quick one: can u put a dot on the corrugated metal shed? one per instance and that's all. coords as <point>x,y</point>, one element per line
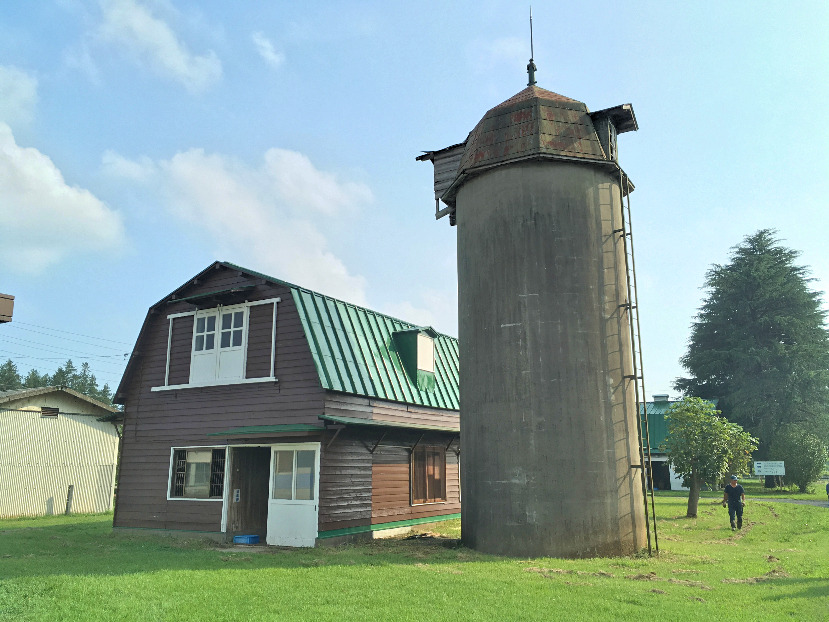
<point>41,455</point>
<point>354,351</point>
<point>657,424</point>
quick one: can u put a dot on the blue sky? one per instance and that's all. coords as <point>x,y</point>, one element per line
<point>140,140</point>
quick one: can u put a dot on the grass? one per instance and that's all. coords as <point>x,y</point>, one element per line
<point>76,568</point>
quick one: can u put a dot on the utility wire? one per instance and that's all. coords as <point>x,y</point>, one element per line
<point>35,345</point>
<point>58,330</point>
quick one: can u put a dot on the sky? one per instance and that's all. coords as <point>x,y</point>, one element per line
<point>141,140</point>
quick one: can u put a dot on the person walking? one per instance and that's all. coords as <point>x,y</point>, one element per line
<point>735,499</point>
<point>827,490</point>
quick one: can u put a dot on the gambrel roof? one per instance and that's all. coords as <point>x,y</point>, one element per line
<point>354,350</point>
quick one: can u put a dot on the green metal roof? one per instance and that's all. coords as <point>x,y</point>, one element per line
<point>388,424</point>
<point>354,352</point>
<point>657,423</point>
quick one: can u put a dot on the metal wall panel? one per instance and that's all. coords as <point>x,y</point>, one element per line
<point>41,456</point>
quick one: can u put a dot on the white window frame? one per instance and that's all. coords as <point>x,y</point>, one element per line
<point>170,473</point>
<point>217,350</point>
<point>217,382</point>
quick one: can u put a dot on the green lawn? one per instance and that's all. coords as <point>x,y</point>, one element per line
<point>77,568</point>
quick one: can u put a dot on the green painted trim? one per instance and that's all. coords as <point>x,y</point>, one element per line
<point>265,429</point>
<point>387,424</point>
<point>333,533</point>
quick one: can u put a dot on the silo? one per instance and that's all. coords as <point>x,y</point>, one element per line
<point>550,458</point>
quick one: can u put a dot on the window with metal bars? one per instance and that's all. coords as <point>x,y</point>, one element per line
<point>198,473</point>
<point>428,474</point>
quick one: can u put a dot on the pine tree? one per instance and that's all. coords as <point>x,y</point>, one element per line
<point>81,380</point>
<point>35,380</point>
<point>759,344</point>
<point>10,377</point>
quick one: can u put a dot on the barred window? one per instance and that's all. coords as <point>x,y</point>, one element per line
<point>198,473</point>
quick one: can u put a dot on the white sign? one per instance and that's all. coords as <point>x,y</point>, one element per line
<point>769,467</point>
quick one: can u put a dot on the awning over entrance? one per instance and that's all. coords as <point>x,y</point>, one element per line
<point>388,424</point>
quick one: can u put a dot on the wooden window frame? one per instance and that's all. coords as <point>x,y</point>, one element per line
<point>427,475</point>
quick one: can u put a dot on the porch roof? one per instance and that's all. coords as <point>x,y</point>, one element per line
<point>268,429</point>
<point>388,424</point>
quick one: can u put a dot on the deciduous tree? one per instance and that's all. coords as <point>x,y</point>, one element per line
<point>701,446</point>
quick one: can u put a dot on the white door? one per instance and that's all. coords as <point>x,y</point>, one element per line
<point>294,494</point>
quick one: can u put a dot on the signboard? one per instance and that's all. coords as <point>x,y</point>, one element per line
<point>769,467</point>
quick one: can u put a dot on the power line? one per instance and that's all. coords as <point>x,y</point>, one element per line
<point>36,345</point>
<point>58,330</point>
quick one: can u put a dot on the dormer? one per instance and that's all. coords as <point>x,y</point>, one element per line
<point>416,348</point>
<point>610,122</point>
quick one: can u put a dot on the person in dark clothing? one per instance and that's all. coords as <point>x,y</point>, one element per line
<point>735,498</point>
<point>827,490</point>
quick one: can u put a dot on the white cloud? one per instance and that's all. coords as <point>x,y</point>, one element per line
<point>42,219</point>
<point>152,40</point>
<point>264,218</point>
<point>301,185</point>
<point>18,95</point>
<point>438,309</point>
<point>116,165</point>
<point>266,50</point>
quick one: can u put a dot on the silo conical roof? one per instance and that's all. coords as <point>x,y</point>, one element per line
<point>532,122</point>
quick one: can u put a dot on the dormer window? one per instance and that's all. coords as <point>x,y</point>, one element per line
<point>416,348</point>
<point>425,353</point>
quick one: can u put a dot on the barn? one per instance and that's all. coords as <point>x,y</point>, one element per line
<point>254,407</point>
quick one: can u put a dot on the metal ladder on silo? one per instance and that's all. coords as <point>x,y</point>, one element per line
<point>637,376</point>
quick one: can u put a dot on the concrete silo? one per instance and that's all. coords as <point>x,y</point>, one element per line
<point>551,457</point>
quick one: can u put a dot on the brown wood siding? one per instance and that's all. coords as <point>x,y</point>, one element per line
<point>390,485</point>
<point>259,341</point>
<point>345,481</point>
<point>155,421</point>
<point>181,343</point>
<point>345,405</point>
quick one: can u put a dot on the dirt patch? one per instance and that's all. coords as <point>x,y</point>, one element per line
<point>686,583</point>
<point>548,572</point>
<point>650,576</point>
<point>777,573</point>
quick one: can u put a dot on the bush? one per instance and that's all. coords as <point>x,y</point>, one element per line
<point>803,454</point>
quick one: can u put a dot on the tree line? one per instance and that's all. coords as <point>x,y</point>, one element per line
<point>80,379</point>
<point>759,350</point>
